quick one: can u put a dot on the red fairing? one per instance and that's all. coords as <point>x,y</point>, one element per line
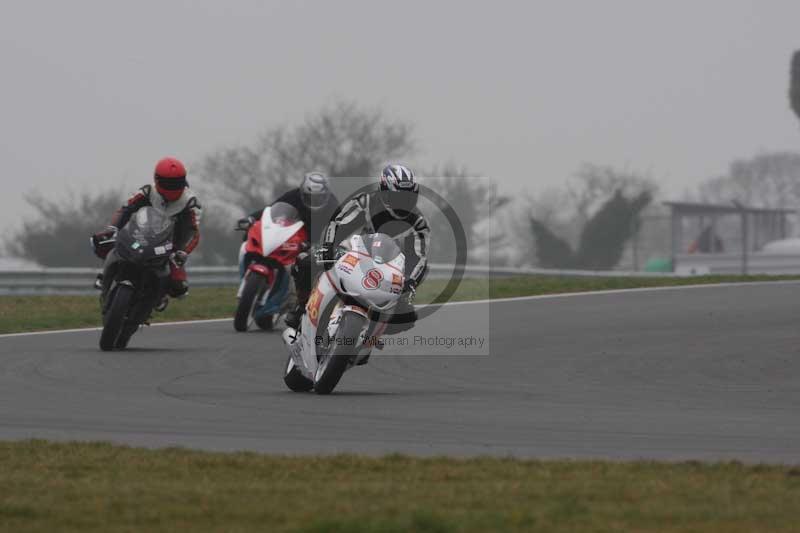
<point>286,253</point>
<point>254,245</point>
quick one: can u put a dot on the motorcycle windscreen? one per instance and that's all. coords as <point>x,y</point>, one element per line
<point>283,214</point>
<point>381,247</point>
<point>150,227</point>
<point>146,237</point>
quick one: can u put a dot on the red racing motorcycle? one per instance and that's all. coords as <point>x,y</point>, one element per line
<point>273,243</point>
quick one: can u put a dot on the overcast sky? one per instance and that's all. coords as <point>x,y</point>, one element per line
<point>93,92</point>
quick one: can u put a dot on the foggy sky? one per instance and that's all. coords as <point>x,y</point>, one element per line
<point>93,92</point>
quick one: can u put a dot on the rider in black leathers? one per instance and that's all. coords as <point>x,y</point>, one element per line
<point>316,205</point>
<point>391,210</point>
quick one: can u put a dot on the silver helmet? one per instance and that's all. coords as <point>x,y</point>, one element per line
<point>399,190</point>
<point>315,190</point>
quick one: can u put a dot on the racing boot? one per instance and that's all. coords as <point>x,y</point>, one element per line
<point>294,316</point>
<point>403,319</point>
<point>162,305</point>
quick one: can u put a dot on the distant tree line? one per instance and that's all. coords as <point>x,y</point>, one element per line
<point>603,204</point>
<point>58,234</point>
<point>342,140</point>
<point>584,224</point>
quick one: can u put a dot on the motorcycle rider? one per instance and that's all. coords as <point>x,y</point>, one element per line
<point>171,195</point>
<point>316,205</point>
<point>391,210</point>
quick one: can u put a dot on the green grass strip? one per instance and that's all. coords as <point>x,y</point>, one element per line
<point>101,487</point>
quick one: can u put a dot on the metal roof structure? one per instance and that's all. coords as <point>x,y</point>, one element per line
<point>757,225</point>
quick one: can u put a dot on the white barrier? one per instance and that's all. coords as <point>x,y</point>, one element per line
<point>80,280</point>
<point>734,263</point>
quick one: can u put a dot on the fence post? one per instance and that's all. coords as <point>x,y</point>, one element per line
<point>745,241</point>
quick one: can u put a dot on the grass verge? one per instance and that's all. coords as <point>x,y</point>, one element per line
<point>101,487</point>
<point>38,313</point>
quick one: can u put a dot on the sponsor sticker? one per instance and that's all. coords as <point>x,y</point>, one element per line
<point>350,259</point>
<point>397,283</point>
<point>312,308</point>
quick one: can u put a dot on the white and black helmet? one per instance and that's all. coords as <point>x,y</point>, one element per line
<point>399,190</point>
<point>315,190</point>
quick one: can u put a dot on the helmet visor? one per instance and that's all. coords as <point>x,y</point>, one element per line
<point>171,184</point>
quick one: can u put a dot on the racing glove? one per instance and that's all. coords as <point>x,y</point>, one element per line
<point>245,223</point>
<point>325,252</point>
<point>410,290</point>
<point>179,258</point>
<point>103,241</point>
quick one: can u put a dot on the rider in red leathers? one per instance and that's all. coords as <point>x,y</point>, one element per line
<point>171,195</point>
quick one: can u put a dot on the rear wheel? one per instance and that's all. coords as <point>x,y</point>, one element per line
<point>254,286</point>
<point>294,379</point>
<point>341,350</point>
<point>114,319</point>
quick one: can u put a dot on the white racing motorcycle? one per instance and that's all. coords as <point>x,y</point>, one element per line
<point>344,315</point>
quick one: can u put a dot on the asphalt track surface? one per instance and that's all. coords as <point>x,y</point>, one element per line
<point>696,373</point>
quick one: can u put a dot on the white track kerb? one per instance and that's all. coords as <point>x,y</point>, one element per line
<point>466,302</point>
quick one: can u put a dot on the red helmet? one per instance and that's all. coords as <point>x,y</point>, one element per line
<point>170,177</point>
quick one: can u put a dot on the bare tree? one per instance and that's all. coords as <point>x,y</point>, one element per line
<point>473,199</point>
<point>342,139</point>
<point>234,176</point>
<point>766,180</point>
<point>594,184</point>
<point>58,234</point>
<point>603,236</point>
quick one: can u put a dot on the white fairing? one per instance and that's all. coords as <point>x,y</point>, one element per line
<point>273,235</point>
<point>354,279</point>
<point>376,286</point>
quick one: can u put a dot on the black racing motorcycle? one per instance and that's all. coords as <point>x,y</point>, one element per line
<point>136,275</point>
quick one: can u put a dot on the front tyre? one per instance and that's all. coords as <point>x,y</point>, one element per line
<point>296,381</point>
<point>125,336</point>
<point>341,350</point>
<point>114,319</point>
<point>254,286</point>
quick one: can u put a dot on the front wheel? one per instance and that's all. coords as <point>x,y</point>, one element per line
<point>114,319</point>
<point>125,336</point>
<point>254,286</point>
<point>341,350</point>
